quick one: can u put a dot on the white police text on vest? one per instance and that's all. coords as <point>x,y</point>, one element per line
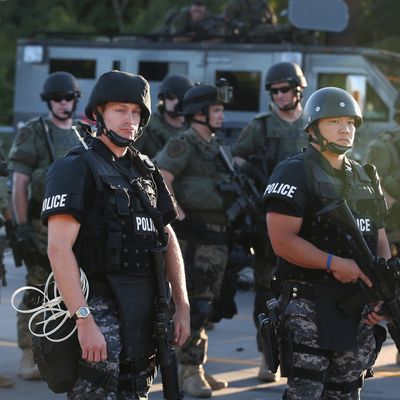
<point>281,188</point>
<point>56,201</point>
<point>364,224</point>
<point>144,225</point>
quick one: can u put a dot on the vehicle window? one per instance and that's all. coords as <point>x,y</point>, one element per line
<point>374,108</point>
<point>158,70</point>
<point>81,69</point>
<point>388,67</point>
<point>246,89</point>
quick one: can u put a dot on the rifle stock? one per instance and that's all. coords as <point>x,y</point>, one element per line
<point>384,275</point>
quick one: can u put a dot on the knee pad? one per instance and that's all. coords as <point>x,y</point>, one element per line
<point>200,310</point>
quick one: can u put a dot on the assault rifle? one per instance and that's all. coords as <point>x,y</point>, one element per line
<point>384,275</point>
<point>247,199</point>
<point>163,331</point>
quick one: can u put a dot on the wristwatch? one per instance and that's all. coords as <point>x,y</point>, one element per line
<point>82,312</point>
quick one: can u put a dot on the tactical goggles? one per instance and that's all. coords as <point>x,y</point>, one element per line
<point>284,89</point>
<point>59,97</point>
<point>224,91</point>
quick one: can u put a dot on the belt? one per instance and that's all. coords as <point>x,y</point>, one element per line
<point>297,290</point>
<point>216,227</point>
<point>102,289</point>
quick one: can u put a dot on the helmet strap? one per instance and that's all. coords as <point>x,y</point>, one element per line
<point>207,121</point>
<point>324,144</point>
<point>68,114</point>
<point>115,139</point>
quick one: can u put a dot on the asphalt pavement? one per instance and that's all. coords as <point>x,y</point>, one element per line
<point>232,356</point>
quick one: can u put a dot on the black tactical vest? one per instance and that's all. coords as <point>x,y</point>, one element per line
<point>363,199</point>
<point>117,234</point>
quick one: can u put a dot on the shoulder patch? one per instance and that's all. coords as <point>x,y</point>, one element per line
<point>22,135</point>
<point>176,147</point>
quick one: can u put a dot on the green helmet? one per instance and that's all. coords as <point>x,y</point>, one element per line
<point>285,72</point>
<point>331,102</point>
<point>60,82</point>
<point>199,98</point>
<point>124,87</point>
<point>176,85</point>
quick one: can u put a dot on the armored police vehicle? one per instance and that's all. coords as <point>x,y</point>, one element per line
<point>372,76</point>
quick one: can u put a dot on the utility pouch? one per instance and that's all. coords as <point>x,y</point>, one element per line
<point>57,361</point>
<point>268,332</point>
<point>135,298</point>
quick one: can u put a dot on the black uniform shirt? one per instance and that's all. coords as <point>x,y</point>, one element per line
<point>289,190</point>
<point>71,187</point>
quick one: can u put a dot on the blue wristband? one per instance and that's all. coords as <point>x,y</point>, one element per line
<point>328,263</point>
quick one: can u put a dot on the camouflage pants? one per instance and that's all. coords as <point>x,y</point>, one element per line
<point>205,267</point>
<point>340,367</point>
<point>36,274</point>
<point>106,318</point>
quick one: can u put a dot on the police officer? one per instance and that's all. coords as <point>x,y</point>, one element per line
<point>268,139</point>
<point>325,350</point>
<point>189,163</point>
<point>168,119</point>
<point>190,23</point>
<point>250,17</point>
<point>384,153</point>
<point>37,145</point>
<point>5,381</point>
<point>107,208</point>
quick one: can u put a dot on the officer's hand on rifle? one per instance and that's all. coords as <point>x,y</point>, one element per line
<point>374,316</point>
<point>346,271</point>
<point>25,236</point>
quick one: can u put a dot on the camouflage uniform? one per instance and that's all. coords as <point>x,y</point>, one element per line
<point>202,234</point>
<point>4,206</point>
<point>155,135</point>
<point>182,24</point>
<point>29,155</point>
<point>272,139</point>
<point>107,319</point>
<point>384,153</point>
<point>339,367</point>
<point>252,17</point>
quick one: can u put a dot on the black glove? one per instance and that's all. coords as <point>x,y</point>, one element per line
<point>25,237</point>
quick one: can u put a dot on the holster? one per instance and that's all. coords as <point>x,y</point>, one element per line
<point>270,342</point>
<point>135,299</point>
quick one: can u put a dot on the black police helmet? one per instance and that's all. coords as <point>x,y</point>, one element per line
<point>285,72</point>
<point>199,98</point>
<point>60,82</point>
<point>176,85</point>
<point>123,87</point>
<point>331,102</point>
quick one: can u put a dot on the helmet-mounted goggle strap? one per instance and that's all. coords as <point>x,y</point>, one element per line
<point>224,91</point>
